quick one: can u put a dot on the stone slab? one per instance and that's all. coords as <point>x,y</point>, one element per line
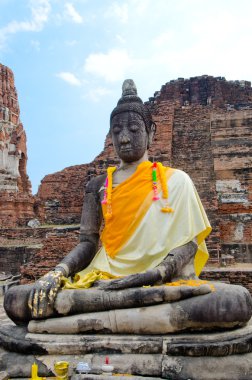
<point>234,367</point>
<point>193,356</point>
<point>4,375</point>
<point>222,343</point>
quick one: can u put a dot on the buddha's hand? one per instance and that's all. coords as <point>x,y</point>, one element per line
<point>130,281</point>
<point>43,294</point>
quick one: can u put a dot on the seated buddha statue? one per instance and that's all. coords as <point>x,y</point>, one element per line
<point>153,237</point>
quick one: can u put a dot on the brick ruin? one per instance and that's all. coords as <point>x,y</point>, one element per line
<point>16,201</point>
<point>203,127</point>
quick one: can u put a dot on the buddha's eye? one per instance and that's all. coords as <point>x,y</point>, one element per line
<point>134,128</point>
<point>116,129</point>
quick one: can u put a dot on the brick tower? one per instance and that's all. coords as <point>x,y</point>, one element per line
<point>16,200</point>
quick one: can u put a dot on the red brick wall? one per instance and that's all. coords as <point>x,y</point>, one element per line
<point>16,201</point>
<point>206,90</point>
<point>192,152</point>
<point>230,276</point>
<point>61,195</point>
<point>231,141</point>
<point>161,148</point>
<point>56,245</point>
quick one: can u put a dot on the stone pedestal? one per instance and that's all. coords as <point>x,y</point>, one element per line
<point>223,355</point>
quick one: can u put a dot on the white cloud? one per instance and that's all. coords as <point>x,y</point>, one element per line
<point>97,93</point>
<point>163,39</point>
<point>72,13</point>
<point>111,66</point>
<point>120,12</point>
<point>141,6</point>
<point>120,39</point>
<point>40,10</point>
<point>70,78</point>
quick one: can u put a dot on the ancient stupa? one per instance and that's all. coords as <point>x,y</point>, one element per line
<point>16,201</point>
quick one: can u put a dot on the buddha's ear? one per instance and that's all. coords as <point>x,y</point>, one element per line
<point>151,134</point>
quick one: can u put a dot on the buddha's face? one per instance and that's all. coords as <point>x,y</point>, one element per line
<point>129,135</point>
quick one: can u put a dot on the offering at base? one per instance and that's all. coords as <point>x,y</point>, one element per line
<point>107,368</point>
<point>154,235</point>
<point>83,367</point>
<point>61,370</point>
<point>34,373</point>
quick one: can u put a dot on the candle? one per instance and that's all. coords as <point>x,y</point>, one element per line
<point>34,371</point>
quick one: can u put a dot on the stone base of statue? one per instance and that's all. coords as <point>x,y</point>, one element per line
<point>223,355</point>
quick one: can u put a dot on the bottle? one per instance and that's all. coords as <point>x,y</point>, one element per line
<point>83,367</point>
<point>107,368</point>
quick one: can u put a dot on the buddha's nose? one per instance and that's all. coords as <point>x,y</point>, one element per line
<point>124,138</point>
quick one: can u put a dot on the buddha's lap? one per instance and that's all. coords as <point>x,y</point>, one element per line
<point>227,303</point>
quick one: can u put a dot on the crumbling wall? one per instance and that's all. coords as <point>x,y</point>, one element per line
<point>236,276</point>
<point>192,152</point>
<point>57,243</point>
<point>231,141</point>
<point>206,90</point>
<point>16,201</point>
<point>61,195</point>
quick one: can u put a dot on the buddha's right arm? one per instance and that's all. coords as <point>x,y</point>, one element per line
<point>81,256</point>
<point>45,289</point>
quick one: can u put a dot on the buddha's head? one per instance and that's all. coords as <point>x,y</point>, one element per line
<point>131,125</point>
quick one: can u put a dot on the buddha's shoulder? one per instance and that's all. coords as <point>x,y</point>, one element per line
<point>181,177</point>
<point>95,184</point>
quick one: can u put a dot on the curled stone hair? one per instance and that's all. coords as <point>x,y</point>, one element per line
<point>132,103</point>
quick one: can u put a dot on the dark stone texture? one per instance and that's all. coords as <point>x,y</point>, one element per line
<point>139,356</point>
<point>13,339</point>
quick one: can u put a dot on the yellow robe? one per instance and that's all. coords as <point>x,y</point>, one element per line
<point>144,239</point>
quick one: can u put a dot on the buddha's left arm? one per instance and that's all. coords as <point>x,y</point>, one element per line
<point>171,267</point>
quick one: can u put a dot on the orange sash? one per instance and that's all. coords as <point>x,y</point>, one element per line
<point>130,201</point>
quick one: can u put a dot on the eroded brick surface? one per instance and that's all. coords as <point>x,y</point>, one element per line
<point>57,243</point>
<point>16,201</point>
<point>236,276</point>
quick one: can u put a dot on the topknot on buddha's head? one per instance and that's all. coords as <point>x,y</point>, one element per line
<point>130,102</point>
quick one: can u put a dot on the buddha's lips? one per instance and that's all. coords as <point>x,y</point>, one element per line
<point>124,149</point>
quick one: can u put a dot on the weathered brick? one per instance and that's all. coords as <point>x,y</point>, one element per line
<point>16,201</point>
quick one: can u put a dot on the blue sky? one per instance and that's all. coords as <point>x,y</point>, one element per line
<point>69,59</point>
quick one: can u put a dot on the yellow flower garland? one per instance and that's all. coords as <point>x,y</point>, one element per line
<point>110,172</point>
<point>164,187</point>
<point>190,282</point>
